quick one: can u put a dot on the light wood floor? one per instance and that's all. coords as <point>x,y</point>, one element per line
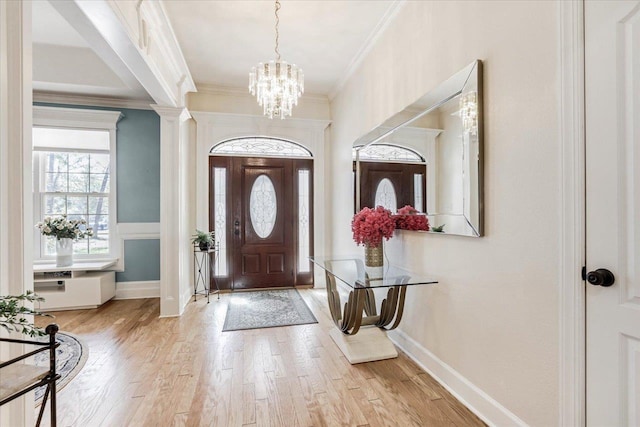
<point>143,370</point>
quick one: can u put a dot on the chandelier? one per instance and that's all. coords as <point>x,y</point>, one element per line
<point>469,113</point>
<point>276,84</point>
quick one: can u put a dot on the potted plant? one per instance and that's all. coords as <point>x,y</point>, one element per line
<point>204,239</point>
<point>66,232</point>
<point>369,226</point>
<point>13,314</point>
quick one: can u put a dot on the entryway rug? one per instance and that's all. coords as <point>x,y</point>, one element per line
<point>266,309</point>
<point>71,356</point>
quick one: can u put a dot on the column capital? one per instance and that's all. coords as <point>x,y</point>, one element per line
<point>165,112</point>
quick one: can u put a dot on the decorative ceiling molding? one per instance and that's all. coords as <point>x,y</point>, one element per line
<point>366,47</point>
<point>91,101</point>
<point>75,117</point>
<point>244,92</point>
<point>137,36</point>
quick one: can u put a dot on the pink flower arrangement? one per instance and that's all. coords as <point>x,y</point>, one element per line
<point>408,218</point>
<point>369,226</point>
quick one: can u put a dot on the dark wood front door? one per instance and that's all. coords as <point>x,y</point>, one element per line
<point>263,219</point>
<point>402,177</point>
<point>262,222</point>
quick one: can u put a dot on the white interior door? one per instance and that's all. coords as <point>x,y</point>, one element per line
<point>612,67</point>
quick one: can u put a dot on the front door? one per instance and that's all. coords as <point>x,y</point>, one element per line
<point>268,222</point>
<point>263,253</point>
<point>612,90</point>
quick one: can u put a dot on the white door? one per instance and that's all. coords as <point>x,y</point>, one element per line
<point>612,67</point>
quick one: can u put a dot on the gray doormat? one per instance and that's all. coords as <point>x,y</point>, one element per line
<point>266,309</point>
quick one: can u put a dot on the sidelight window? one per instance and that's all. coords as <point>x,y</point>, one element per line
<point>304,196</point>
<point>220,215</point>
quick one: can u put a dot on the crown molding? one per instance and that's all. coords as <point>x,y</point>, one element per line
<point>75,117</point>
<point>375,34</point>
<point>91,101</point>
<point>231,119</point>
<point>213,89</point>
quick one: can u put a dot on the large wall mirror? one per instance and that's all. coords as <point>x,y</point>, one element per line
<point>429,156</point>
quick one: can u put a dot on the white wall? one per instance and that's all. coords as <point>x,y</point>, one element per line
<point>240,101</point>
<point>493,316</point>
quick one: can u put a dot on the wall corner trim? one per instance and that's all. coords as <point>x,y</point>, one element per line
<point>572,238</point>
<point>479,402</point>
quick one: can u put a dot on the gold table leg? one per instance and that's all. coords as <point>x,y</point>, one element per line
<point>362,301</point>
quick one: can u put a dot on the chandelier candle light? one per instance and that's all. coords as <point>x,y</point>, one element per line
<point>276,84</point>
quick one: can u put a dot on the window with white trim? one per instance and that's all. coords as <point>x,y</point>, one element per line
<point>74,175</point>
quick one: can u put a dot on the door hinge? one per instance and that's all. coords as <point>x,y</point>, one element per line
<point>584,273</point>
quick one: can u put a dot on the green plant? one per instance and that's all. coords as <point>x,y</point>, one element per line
<point>439,229</point>
<point>204,237</point>
<point>62,228</point>
<point>13,312</point>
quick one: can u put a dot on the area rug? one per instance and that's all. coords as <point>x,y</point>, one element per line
<point>71,356</point>
<point>266,309</point>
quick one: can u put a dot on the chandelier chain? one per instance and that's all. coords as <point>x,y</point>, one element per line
<point>277,25</point>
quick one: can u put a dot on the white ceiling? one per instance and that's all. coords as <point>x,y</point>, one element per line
<point>222,40</point>
<point>49,27</point>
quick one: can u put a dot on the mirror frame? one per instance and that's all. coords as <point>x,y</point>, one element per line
<point>446,91</point>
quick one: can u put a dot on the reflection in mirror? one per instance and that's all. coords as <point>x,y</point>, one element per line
<point>429,156</point>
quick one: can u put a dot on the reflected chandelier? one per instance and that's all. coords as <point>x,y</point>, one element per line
<point>276,84</point>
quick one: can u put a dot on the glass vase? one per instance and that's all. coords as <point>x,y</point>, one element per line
<point>373,255</point>
<point>64,252</point>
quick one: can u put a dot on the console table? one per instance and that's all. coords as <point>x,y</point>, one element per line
<point>360,331</point>
<point>80,285</point>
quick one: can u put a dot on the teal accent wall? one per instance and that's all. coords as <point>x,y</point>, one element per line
<point>138,186</point>
<point>141,260</point>
<point>138,161</point>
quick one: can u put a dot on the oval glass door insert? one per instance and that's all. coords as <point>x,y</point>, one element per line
<point>386,195</point>
<point>263,206</point>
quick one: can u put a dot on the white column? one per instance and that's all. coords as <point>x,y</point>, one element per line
<point>175,283</point>
<point>16,226</point>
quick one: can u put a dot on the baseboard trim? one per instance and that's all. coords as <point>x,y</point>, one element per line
<point>138,290</point>
<point>478,402</point>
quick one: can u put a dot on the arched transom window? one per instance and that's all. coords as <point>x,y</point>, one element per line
<point>259,146</point>
<point>390,153</point>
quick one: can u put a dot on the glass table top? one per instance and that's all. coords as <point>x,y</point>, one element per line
<point>352,271</point>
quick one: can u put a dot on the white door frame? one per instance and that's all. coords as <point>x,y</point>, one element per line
<point>16,217</point>
<point>212,128</point>
<point>572,240</point>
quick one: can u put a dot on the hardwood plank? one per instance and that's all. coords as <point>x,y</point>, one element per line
<point>143,370</point>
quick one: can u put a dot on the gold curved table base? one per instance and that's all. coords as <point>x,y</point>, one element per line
<point>362,301</point>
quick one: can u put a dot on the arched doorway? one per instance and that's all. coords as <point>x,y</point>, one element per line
<point>261,208</point>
